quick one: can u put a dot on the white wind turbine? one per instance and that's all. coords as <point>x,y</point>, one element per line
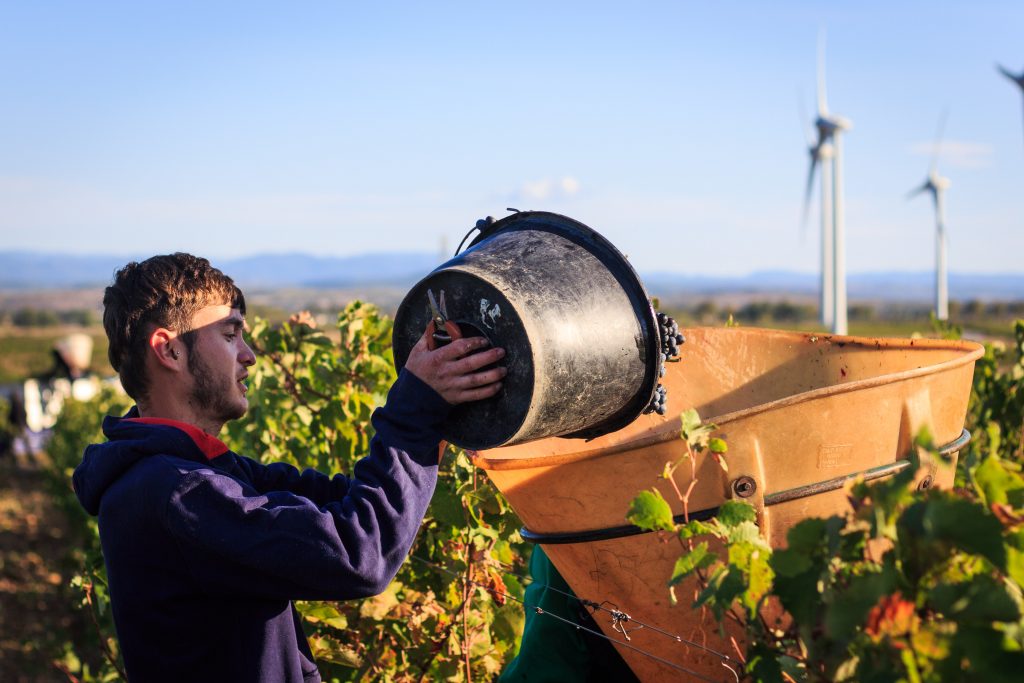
<point>827,151</point>
<point>937,186</point>
<point>1016,78</point>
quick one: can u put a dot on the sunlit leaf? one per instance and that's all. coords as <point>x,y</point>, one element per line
<point>734,512</point>
<point>689,562</point>
<point>650,511</point>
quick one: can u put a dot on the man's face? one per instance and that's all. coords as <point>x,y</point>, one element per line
<point>219,362</point>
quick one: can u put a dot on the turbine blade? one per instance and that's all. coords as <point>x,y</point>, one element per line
<point>807,194</point>
<point>938,140</point>
<point>917,190</point>
<point>822,97</point>
<point>1006,72</point>
<point>808,130</point>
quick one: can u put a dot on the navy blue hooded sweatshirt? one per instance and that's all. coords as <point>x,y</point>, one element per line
<point>206,549</point>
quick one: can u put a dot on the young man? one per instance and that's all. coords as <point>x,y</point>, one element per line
<point>205,549</point>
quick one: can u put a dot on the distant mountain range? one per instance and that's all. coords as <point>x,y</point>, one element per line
<point>35,270</point>
<point>22,270</point>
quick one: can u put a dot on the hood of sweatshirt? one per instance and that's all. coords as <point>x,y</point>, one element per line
<point>132,438</point>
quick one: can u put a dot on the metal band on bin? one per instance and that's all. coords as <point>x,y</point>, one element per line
<point>608,533</point>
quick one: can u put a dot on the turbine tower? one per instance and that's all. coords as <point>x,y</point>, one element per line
<point>1016,78</point>
<point>937,186</point>
<point>821,153</point>
<point>828,152</point>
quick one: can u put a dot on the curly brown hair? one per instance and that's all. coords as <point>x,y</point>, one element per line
<point>162,291</point>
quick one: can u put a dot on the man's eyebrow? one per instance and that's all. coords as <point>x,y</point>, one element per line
<point>236,323</point>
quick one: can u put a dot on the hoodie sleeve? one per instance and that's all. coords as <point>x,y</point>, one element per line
<point>412,418</point>
<point>316,537</point>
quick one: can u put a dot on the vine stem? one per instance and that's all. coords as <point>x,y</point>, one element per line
<point>425,667</point>
<point>292,382</point>
<point>466,583</point>
<point>99,632</point>
<point>60,666</point>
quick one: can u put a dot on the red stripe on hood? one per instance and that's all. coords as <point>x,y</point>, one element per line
<point>211,446</point>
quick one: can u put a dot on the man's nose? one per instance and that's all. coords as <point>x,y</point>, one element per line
<point>247,356</point>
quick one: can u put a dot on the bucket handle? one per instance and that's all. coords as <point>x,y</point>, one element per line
<point>485,226</point>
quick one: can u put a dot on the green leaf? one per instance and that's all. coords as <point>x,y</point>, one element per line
<point>690,420</point>
<point>763,664</point>
<point>698,558</point>
<point>994,482</point>
<point>650,511</point>
<point>379,606</point>
<point>692,431</point>
<point>807,536</point>
<point>447,510</point>
<point>981,600</point>
<point>968,525</point>
<point>986,657</point>
<point>790,562</point>
<point>717,445</point>
<point>1015,556</point>
<point>323,613</point>
<point>734,512</point>
<point>760,579</point>
<point>693,528</point>
<point>849,610</point>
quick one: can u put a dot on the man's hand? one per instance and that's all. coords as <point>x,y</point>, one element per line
<point>453,370</point>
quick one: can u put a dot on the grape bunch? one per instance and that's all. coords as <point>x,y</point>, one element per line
<point>669,338</point>
<point>657,404</point>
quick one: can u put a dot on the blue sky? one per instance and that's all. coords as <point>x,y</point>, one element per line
<point>673,128</point>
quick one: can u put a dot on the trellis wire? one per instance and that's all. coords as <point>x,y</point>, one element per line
<point>617,617</point>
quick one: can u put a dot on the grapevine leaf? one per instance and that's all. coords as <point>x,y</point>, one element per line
<point>807,536</point>
<point>378,607</point>
<point>789,562</point>
<point>850,608</point>
<point>694,527</point>
<point>698,558</point>
<point>690,420</point>
<point>720,459</point>
<point>717,445</point>
<point>980,600</point>
<point>693,432</point>
<point>967,525</point>
<point>984,658</point>
<point>733,512</point>
<point>763,664</point>
<point>1015,556</point>
<point>324,613</point>
<point>447,510</point>
<point>650,511</point>
<point>760,578</point>
<point>799,591</point>
<point>995,483</point>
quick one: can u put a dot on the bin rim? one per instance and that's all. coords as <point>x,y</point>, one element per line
<point>670,431</point>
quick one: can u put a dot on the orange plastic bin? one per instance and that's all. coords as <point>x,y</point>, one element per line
<point>804,415</point>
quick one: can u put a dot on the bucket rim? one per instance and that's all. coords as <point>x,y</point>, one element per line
<point>971,352</point>
<point>619,266</point>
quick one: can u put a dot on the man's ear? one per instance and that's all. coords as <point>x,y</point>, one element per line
<point>167,348</point>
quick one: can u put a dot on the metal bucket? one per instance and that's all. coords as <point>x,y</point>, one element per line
<point>580,335</point>
<point>804,416</point>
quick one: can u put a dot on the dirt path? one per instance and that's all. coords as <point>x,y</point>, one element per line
<point>37,613</point>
